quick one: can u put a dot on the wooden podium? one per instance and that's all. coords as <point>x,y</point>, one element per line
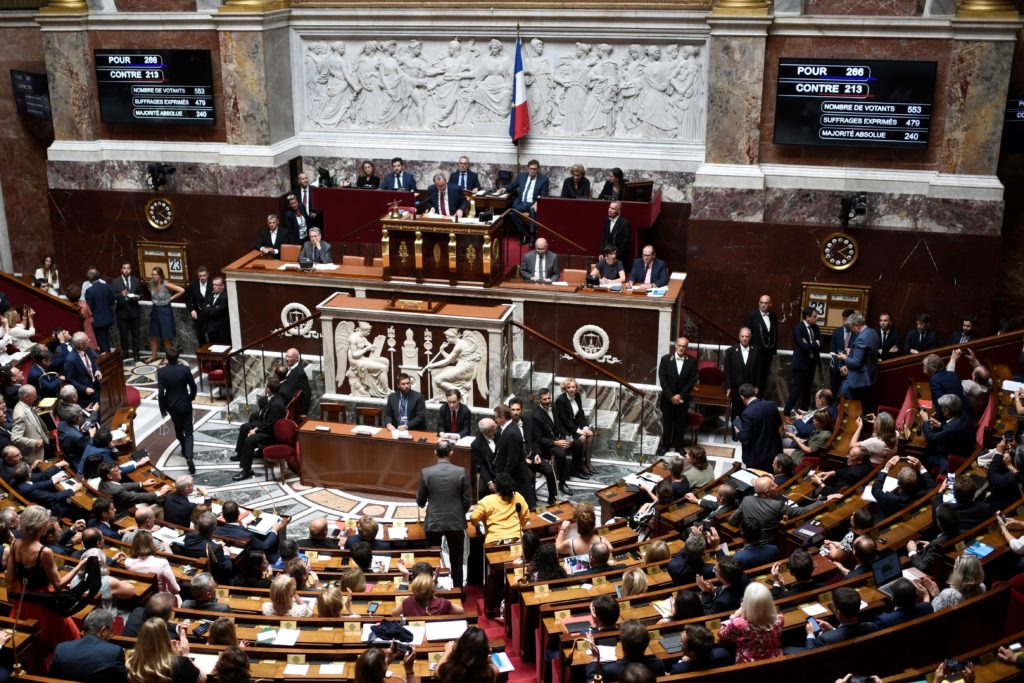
<point>437,248</point>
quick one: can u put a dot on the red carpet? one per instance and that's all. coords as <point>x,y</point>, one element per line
<point>495,631</point>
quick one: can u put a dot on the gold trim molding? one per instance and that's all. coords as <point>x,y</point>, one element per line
<point>746,8</point>
<point>987,9</point>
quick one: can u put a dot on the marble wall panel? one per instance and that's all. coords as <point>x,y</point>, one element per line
<point>909,272</point>
<point>878,8</point>
<point>178,40</point>
<point>978,78</point>
<point>734,99</point>
<point>728,204</point>
<point>828,47</point>
<point>23,143</point>
<point>72,79</point>
<point>243,67</point>
<point>280,106</point>
<point>156,5</point>
<point>189,178</point>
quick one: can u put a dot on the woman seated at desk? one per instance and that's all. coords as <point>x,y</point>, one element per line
<point>576,186</point>
<point>613,187</point>
<point>367,180</point>
<point>609,268</point>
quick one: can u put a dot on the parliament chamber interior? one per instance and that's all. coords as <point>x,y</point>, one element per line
<point>553,342</point>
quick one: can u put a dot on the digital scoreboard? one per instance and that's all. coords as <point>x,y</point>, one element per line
<point>854,103</point>
<point>31,94</point>
<point>155,86</point>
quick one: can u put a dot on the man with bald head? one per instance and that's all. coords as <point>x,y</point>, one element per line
<point>741,364</point>
<point>484,448</point>
<point>318,538</point>
<point>296,380</point>
<point>764,335</point>
<point>677,375</point>
<point>539,265</point>
<point>28,432</point>
<point>769,508</point>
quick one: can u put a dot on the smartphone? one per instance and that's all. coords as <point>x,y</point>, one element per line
<point>372,608</point>
<point>202,628</point>
<point>814,625</point>
<point>705,525</point>
<point>953,666</point>
<point>401,647</point>
<point>336,532</point>
<point>1000,515</point>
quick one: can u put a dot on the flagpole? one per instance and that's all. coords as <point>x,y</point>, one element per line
<point>516,143</point>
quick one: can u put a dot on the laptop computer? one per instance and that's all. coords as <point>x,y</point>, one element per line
<point>886,570</point>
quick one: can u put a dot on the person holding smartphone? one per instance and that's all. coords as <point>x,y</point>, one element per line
<point>1016,543</point>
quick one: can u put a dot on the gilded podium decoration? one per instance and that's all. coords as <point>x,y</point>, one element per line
<point>471,255</point>
<point>403,252</point>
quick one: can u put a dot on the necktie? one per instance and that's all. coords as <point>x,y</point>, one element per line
<point>214,302</point>
<point>540,265</point>
<point>528,191</point>
<point>884,334</point>
<point>126,284</point>
<point>316,254</point>
<point>305,198</point>
<point>398,182</point>
<point>444,203</point>
<point>87,363</point>
<point>846,339</point>
<point>963,338</point>
<point>455,429</point>
<point>462,180</point>
<point>647,276</point>
<point>402,408</point>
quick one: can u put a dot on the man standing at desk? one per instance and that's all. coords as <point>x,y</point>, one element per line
<point>303,191</point>
<point>271,238</point>
<point>463,178</point>
<point>648,271</point>
<point>444,491</point>
<point>528,186</point>
<point>539,265</point>
<point>399,179</point>
<point>677,374</point>
<point>126,305</point>
<point>405,409</point>
<point>446,200</point>
<point>316,250</point>
<point>218,324</point>
<point>617,230</point>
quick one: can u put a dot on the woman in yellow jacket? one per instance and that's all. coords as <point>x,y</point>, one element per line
<point>503,513</point>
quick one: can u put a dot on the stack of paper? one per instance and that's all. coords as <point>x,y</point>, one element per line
<point>365,430</point>
<point>264,524</point>
<point>381,563</point>
<point>445,630</point>
<point>398,533</point>
<point>204,663</point>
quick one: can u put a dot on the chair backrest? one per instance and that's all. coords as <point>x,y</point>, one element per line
<point>332,411</point>
<point>364,413</point>
<point>292,404</point>
<point>352,261</point>
<point>290,252</point>
<point>711,375</point>
<point>285,431</point>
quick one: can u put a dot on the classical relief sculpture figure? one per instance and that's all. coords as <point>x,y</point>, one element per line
<point>539,84</point>
<point>573,75</point>
<point>655,104</point>
<point>395,93</point>
<point>453,94</point>
<point>689,84</point>
<point>629,93</point>
<point>493,93</point>
<point>367,105</point>
<point>461,366</point>
<point>423,79</point>
<point>316,77</point>
<point>604,93</point>
<point>360,360</point>
<point>340,92</point>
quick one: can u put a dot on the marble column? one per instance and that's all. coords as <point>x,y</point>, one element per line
<point>729,185</point>
<point>981,57</point>
<point>72,80</point>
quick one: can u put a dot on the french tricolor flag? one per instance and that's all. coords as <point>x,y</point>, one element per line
<point>519,119</point>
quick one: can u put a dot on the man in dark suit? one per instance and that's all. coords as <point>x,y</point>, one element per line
<point>316,250</point>
<point>453,416</point>
<point>839,342</point>
<point>200,543</point>
<point>82,371</point>
<point>905,605</point>
<point>648,271</point>
<point>728,596</point>
<point>861,364</point>
<point>754,553</point>
<point>549,446</point>
<point>759,430</point>
<point>463,178</point>
<point>177,507</point>
<point>232,529</point>
<point>941,382</point>
<point>100,298</point>
<point>203,589</point>
<point>764,336</point>
<point>527,187</point>
<point>965,335</point>
<point>800,566</point>
<point>617,230</point>
<point>175,392</point>
<point>296,380</point>
<point>970,512</point>
<point>677,375</point>
<point>399,178</point>
<point>741,364</point>
<point>889,338</point>
<point>806,359</point>
<point>511,455</point>
<point>272,238</point>
<point>952,436</point>
<point>92,659</point>
<point>635,639</point>
<point>218,324</point>
<point>128,291</point>
<point>539,265</point>
<point>922,338</point>
<point>197,297</point>
<point>405,409</point>
<point>846,602</point>
<point>304,192</point>
<point>688,563</point>
<point>262,431</point>
<point>445,493</point>
<point>446,200</point>
<point>128,494</point>
<point>484,448</point>
<point>913,480</point>
<point>43,493</point>
<point>61,347</point>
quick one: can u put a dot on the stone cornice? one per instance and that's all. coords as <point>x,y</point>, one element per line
<point>941,28</point>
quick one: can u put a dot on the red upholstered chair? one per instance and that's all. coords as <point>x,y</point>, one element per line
<point>712,375</point>
<point>693,423</point>
<point>133,396</point>
<point>285,449</point>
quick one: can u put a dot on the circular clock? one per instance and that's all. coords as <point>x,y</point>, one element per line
<point>839,251</point>
<point>160,213</point>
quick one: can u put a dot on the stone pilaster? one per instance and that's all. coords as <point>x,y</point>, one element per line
<point>69,68</point>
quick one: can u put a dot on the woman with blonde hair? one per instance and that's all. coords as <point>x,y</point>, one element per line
<point>332,603</point>
<point>142,558</point>
<point>161,319</point>
<point>756,627</point>
<point>700,472</point>
<point>966,581</point>
<point>284,599</point>
<point>882,444</point>
<point>577,185</point>
<point>657,551</point>
<point>157,659</point>
<point>423,602</point>
<point>353,580</point>
<point>634,582</point>
<point>577,541</point>
<point>21,326</point>
<point>570,419</point>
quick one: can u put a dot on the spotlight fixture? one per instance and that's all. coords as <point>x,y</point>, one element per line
<point>851,206</point>
<point>156,176</point>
